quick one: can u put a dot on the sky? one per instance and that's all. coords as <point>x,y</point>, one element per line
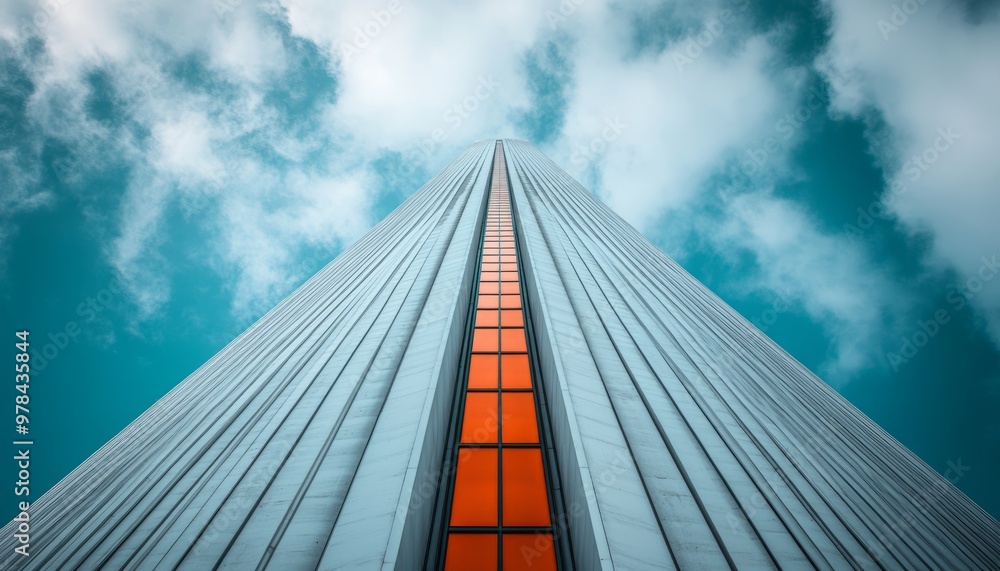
<point>171,169</point>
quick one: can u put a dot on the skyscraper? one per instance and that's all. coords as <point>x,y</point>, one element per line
<point>503,374</point>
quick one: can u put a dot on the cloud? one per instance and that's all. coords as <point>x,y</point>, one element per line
<point>437,74</point>
<point>832,280</point>
<point>195,105</point>
<point>928,72</point>
<point>22,190</point>
<point>268,128</point>
<point>646,130</point>
<point>656,124</point>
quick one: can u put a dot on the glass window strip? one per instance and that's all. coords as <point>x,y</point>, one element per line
<point>518,527</point>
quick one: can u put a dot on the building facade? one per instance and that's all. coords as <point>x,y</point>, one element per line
<point>504,374</point>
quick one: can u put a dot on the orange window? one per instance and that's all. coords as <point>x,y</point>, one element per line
<point>489,302</point>
<point>519,423</point>
<point>508,276</point>
<point>482,418</point>
<point>475,499</point>
<point>484,341</point>
<point>510,302</point>
<point>489,276</point>
<point>487,318</point>
<point>483,370</point>
<point>525,499</point>
<point>512,339</point>
<point>489,288</point>
<point>528,552</point>
<point>511,318</point>
<point>515,372</point>
<point>510,288</point>
<point>465,552</point>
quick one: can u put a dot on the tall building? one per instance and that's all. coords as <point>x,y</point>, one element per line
<point>503,374</point>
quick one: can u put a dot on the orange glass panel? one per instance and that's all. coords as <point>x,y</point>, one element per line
<point>472,552</point>
<point>479,426</point>
<point>527,552</point>
<point>510,301</point>
<point>483,371</point>
<point>489,276</point>
<point>492,259</point>
<point>487,318</point>
<point>489,288</point>
<point>508,276</point>
<point>511,318</point>
<point>519,423</point>
<point>509,259</point>
<point>515,372</point>
<point>488,302</point>
<point>525,499</point>
<point>511,267</point>
<point>484,341</point>
<point>510,288</point>
<point>475,499</point>
<point>512,339</point>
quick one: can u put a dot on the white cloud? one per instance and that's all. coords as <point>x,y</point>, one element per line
<point>686,121</point>
<point>264,187</point>
<point>402,74</point>
<point>680,126</point>
<point>183,148</point>
<point>195,131</point>
<point>318,210</point>
<point>923,72</point>
<point>832,280</point>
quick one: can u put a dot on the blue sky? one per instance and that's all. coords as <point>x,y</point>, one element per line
<point>172,169</point>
